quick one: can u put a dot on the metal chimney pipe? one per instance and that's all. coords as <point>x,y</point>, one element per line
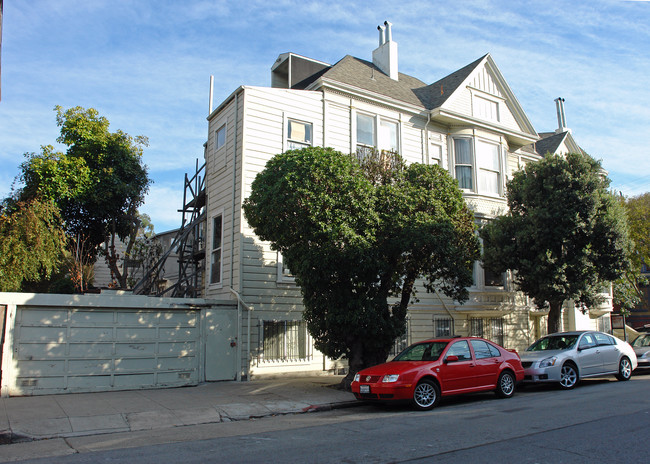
<point>381,35</point>
<point>561,121</point>
<point>389,34</point>
<point>211,90</point>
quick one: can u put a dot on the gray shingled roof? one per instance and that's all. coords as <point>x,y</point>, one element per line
<point>549,142</point>
<point>365,75</point>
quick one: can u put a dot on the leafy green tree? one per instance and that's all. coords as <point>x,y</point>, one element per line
<point>628,289</point>
<point>357,237</point>
<point>565,234</point>
<point>98,183</point>
<point>31,243</point>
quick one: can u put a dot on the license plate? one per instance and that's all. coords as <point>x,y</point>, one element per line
<point>364,388</point>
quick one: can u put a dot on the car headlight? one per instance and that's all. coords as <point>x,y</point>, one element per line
<point>645,355</point>
<point>390,378</point>
<point>356,377</point>
<point>548,362</point>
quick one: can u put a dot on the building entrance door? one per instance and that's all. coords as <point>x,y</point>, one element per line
<point>221,344</point>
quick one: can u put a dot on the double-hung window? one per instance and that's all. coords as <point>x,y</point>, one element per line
<point>365,134</point>
<point>376,133</point>
<point>477,165</point>
<point>463,162</point>
<point>216,250</point>
<point>489,167</point>
<point>388,136</point>
<point>299,134</point>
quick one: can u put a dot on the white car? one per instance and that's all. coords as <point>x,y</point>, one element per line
<point>567,357</point>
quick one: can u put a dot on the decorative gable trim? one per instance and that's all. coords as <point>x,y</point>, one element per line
<point>487,79</point>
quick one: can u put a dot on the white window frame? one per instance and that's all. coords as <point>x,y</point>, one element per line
<point>489,169</point>
<point>214,250</point>
<point>480,101</point>
<point>435,153</point>
<point>476,169</point>
<point>378,140</point>
<point>472,163</point>
<point>284,275</point>
<point>294,144</point>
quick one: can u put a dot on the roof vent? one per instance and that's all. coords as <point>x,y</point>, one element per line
<point>385,56</point>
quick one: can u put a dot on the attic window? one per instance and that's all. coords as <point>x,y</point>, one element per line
<point>486,109</point>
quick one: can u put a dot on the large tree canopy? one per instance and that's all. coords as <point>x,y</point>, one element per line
<point>357,237</point>
<point>628,289</point>
<point>565,235</point>
<point>97,184</point>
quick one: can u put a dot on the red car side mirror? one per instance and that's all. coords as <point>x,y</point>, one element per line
<point>450,359</point>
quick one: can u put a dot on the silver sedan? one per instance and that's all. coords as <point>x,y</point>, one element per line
<point>641,345</point>
<point>567,357</point>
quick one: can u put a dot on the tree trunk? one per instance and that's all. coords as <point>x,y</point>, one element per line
<point>554,314</point>
<point>359,359</point>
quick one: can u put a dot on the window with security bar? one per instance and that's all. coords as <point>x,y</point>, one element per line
<point>488,328</point>
<point>443,327</point>
<point>284,341</point>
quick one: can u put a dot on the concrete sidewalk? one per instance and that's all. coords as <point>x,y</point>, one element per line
<point>78,414</point>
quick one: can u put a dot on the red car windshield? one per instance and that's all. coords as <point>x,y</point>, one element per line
<point>428,351</point>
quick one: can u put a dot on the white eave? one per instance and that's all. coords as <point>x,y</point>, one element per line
<point>451,118</point>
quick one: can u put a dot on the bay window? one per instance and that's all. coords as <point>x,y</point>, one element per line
<point>463,163</point>
<point>487,159</point>
<point>478,165</point>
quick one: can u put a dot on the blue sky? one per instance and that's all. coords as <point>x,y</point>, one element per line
<point>145,65</point>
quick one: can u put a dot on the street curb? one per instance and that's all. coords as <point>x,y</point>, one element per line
<point>331,406</point>
<point>8,437</point>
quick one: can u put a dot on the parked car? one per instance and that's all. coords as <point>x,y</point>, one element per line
<point>427,370</point>
<point>567,357</point>
<point>641,346</point>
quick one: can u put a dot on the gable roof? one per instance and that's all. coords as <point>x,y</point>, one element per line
<point>354,75</point>
<point>436,94</point>
<point>550,142</point>
<point>366,76</point>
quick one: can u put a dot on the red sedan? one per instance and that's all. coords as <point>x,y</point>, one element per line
<point>427,370</point>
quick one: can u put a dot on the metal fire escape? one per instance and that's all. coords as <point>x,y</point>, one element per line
<point>189,244</point>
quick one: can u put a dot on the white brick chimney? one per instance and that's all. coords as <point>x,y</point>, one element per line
<point>385,56</point>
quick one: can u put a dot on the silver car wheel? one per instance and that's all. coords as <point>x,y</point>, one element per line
<point>568,376</point>
<point>425,395</point>
<point>506,385</point>
<point>624,369</point>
